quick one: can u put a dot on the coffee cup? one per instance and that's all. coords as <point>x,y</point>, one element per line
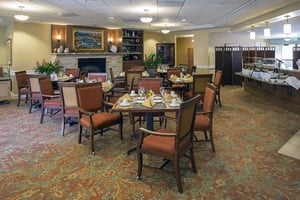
<point>132,92</point>
<point>125,101</point>
<point>174,102</point>
<point>172,93</point>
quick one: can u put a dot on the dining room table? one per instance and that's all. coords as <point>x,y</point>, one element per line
<point>155,103</point>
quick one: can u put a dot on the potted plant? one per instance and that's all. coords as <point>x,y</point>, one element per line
<point>152,61</point>
<point>47,67</point>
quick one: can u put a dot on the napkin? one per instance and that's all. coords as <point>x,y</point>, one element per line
<point>148,103</point>
<point>126,96</point>
<point>168,97</point>
<point>173,77</point>
<point>145,73</point>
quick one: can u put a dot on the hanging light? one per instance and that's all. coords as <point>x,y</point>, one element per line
<point>146,18</point>
<point>21,17</point>
<point>287,28</point>
<point>267,30</point>
<point>165,30</point>
<point>252,33</point>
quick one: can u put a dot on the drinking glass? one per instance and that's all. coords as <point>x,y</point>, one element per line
<point>141,91</point>
<point>162,91</point>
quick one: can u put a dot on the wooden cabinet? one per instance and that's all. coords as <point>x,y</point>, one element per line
<point>229,60</point>
<point>132,48</point>
<point>5,84</point>
<point>167,53</point>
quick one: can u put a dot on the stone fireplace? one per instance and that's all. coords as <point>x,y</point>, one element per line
<point>106,60</point>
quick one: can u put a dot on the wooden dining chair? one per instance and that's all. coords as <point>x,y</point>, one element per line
<point>23,87</point>
<point>217,84</point>
<point>153,84</point>
<point>170,143</point>
<point>178,87</point>
<point>204,118</point>
<point>35,96</point>
<point>69,104</point>
<point>198,86</point>
<point>49,99</point>
<point>73,71</point>
<point>92,115</point>
<point>129,75</point>
<point>101,77</point>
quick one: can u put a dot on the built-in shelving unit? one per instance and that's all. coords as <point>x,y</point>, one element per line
<point>132,48</point>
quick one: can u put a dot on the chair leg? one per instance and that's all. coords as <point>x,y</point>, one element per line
<point>79,133</point>
<point>42,114</point>
<point>192,157</point>
<point>62,130</point>
<point>177,175</point>
<point>205,135</point>
<point>140,164</point>
<point>18,102</point>
<point>91,133</point>
<point>212,141</point>
<point>219,99</point>
<point>121,129</point>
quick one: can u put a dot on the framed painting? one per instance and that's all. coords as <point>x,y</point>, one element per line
<point>88,39</point>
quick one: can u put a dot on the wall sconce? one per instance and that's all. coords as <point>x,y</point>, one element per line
<point>110,40</point>
<point>287,28</point>
<point>58,38</point>
<point>252,33</point>
<point>267,30</point>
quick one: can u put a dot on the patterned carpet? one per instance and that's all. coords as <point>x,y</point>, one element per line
<point>38,163</point>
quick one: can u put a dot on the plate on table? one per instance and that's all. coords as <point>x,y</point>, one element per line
<point>174,105</point>
<point>124,104</point>
<point>157,100</point>
<point>133,95</point>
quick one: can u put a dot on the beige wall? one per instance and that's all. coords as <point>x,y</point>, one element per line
<point>182,45</point>
<point>31,43</point>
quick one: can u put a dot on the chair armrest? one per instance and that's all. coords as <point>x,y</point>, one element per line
<point>85,111</point>
<point>157,133</point>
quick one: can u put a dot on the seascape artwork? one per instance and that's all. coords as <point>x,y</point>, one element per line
<point>84,39</point>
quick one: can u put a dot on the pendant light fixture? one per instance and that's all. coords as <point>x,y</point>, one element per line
<point>252,33</point>
<point>146,18</point>
<point>267,30</point>
<point>165,30</point>
<point>287,27</point>
<point>21,17</point>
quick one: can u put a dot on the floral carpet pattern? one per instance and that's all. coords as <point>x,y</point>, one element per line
<point>36,162</point>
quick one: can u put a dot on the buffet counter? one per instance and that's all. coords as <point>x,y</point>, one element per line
<point>274,90</point>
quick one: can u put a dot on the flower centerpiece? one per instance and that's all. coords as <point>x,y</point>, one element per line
<point>47,67</point>
<point>149,93</point>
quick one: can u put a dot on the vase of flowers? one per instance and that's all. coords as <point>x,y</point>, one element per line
<point>152,61</point>
<point>47,67</point>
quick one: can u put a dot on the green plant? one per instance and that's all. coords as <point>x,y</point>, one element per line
<point>47,67</point>
<point>152,60</point>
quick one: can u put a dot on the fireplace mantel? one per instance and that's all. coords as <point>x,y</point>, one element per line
<point>113,60</point>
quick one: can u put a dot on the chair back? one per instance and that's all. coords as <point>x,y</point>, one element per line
<point>191,69</point>
<point>68,94</point>
<point>33,82</point>
<point>100,77</point>
<point>112,74</point>
<point>137,68</point>
<point>186,119</point>
<point>90,96</point>
<point>209,98</point>
<point>199,83</point>
<point>21,78</point>
<point>83,75</point>
<point>174,71</point>
<point>153,84</point>
<point>45,85</point>
<point>129,75</point>
<point>73,71</point>
<point>218,78</point>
